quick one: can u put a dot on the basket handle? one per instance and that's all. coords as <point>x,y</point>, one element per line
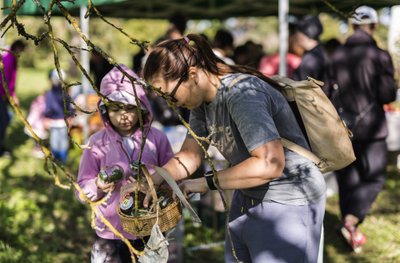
<point>151,185</point>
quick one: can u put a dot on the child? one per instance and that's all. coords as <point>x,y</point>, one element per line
<point>54,114</point>
<point>119,143</point>
<point>38,123</point>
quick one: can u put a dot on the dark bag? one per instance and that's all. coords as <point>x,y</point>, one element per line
<point>352,119</point>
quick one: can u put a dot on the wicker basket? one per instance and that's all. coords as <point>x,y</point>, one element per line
<point>168,217</point>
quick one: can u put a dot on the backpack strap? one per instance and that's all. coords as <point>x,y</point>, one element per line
<point>286,143</point>
<point>302,151</point>
<point>236,80</point>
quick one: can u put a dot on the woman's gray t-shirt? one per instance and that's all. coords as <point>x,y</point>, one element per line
<point>247,115</point>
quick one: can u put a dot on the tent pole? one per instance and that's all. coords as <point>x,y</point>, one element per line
<point>85,64</point>
<point>283,35</point>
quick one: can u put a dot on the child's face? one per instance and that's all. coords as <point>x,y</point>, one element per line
<point>123,117</point>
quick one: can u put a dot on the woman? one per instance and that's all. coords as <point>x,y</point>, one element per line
<point>278,207</point>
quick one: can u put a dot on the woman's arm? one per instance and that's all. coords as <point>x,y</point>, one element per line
<point>184,163</point>
<point>265,164</point>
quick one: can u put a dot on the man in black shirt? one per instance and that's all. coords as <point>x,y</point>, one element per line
<point>313,63</point>
<point>361,82</point>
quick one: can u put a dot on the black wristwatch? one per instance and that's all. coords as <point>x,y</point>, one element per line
<point>210,180</point>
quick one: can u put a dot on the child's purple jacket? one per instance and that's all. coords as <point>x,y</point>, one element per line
<point>106,148</point>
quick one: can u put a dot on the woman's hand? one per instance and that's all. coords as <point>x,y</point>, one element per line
<point>131,187</point>
<point>133,184</point>
<point>198,185</point>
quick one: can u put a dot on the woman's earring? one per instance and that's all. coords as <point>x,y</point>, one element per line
<point>193,76</point>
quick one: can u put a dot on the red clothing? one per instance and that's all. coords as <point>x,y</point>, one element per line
<point>269,65</point>
<point>10,72</point>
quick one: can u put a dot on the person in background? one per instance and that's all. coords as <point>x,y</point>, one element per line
<point>177,25</point>
<point>330,46</point>
<point>362,81</point>
<point>9,60</point>
<point>223,45</point>
<point>269,64</point>
<point>55,116</point>
<point>37,121</point>
<point>314,61</point>
<point>119,143</point>
<point>137,60</point>
<point>248,54</point>
<point>99,66</point>
<point>278,205</point>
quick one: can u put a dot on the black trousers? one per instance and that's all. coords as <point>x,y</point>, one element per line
<point>360,182</point>
<point>4,121</point>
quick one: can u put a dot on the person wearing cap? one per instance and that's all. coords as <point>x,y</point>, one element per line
<point>55,116</point>
<point>118,144</point>
<point>314,61</point>
<point>361,82</point>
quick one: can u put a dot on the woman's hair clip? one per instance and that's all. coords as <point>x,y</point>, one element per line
<point>186,39</point>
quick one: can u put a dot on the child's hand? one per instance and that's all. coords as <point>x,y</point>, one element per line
<point>105,187</point>
<point>126,189</point>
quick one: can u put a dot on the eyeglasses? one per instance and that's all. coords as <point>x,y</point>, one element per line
<point>178,84</point>
<point>171,96</point>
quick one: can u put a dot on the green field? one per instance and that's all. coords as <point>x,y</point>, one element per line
<point>40,222</point>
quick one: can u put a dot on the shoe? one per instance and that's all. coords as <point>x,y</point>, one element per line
<point>353,237</point>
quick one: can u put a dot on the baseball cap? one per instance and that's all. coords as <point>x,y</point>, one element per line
<point>364,15</point>
<point>310,26</point>
<point>54,78</point>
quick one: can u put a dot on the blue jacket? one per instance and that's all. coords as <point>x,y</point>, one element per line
<point>55,104</point>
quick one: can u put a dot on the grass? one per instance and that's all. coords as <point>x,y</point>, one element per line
<point>43,223</point>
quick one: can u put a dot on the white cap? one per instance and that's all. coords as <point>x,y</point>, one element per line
<point>364,15</point>
<point>54,78</point>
